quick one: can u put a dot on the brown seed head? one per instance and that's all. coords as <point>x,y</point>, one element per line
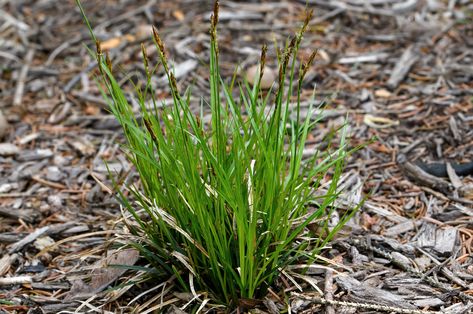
<point>149,128</point>
<point>307,65</point>
<point>108,61</point>
<point>98,48</point>
<point>281,74</point>
<point>213,31</point>
<point>291,46</point>
<point>308,17</point>
<point>215,14</point>
<point>286,56</point>
<point>162,51</point>
<point>264,49</point>
<point>197,119</point>
<point>312,57</point>
<point>214,22</point>
<point>145,58</point>
<point>158,40</point>
<point>174,85</point>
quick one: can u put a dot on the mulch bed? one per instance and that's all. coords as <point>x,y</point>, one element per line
<point>400,71</point>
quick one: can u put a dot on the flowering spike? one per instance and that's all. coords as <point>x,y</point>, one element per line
<point>213,24</point>
<point>108,61</point>
<point>308,17</point>
<point>149,127</point>
<point>158,40</point>
<point>215,14</point>
<point>145,59</point>
<point>98,48</point>
<point>162,51</point>
<point>264,49</point>
<point>286,56</point>
<point>306,65</point>
<point>99,51</point>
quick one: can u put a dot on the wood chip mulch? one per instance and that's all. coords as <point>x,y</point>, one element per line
<point>401,71</point>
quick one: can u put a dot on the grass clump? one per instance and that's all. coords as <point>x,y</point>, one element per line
<point>224,207</point>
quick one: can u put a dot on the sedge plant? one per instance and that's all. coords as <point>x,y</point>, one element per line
<point>224,206</point>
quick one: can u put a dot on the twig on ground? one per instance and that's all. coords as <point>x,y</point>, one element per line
<point>28,239</point>
<point>366,306</point>
<point>328,291</point>
<point>20,87</point>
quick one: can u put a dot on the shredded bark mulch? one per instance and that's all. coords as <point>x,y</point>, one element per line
<point>400,71</point>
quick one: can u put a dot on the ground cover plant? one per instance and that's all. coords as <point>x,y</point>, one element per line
<point>224,207</point>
